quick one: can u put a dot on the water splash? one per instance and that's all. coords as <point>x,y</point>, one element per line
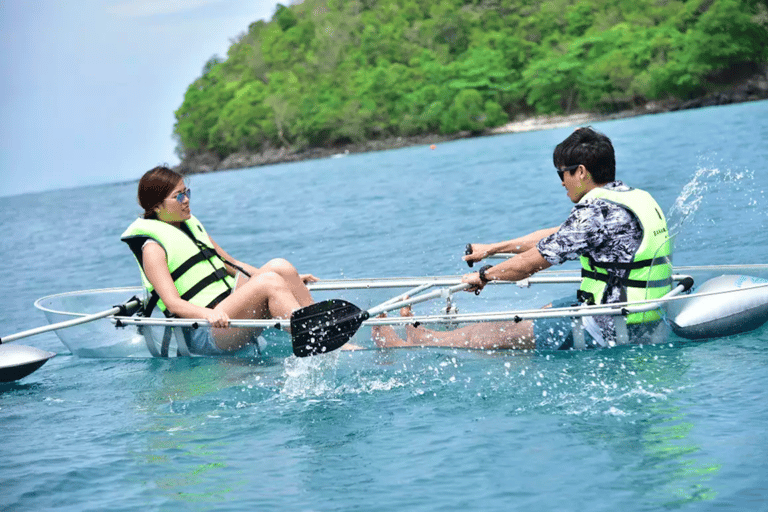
<point>723,196</point>
<point>334,375</point>
<point>712,185</point>
<point>309,376</point>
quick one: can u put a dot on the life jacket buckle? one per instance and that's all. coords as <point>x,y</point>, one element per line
<point>587,298</point>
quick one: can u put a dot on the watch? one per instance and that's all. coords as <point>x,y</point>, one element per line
<point>482,272</point>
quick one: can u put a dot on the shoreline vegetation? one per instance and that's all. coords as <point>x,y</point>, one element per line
<point>334,77</point>
<point>754,89</point>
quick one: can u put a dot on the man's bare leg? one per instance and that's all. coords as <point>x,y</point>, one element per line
<point>485,335</point>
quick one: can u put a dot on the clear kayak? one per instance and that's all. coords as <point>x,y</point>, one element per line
<point>723,306</point>
<point>107,338</point>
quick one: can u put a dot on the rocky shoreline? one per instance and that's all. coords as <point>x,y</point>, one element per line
<point>754,89</point>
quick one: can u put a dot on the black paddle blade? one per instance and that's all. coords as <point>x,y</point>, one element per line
<point>324,326</point>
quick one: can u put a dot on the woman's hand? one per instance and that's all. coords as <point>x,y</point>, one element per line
<point>308,278</point>
<point>216,317</point>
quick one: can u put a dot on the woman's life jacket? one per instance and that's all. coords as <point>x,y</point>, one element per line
<point>197,270</point>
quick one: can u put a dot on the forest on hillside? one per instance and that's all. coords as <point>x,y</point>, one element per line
<point>332,72</point>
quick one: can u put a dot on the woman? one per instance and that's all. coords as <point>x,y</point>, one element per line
<point>188,275</point>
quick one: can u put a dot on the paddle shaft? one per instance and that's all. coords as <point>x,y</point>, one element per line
<point>389,306</point>
<point>325,326</point>
<point>132,303</point>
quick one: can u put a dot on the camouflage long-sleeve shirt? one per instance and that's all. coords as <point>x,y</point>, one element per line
<point>601,230</point>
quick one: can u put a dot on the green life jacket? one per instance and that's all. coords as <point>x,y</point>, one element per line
<point>650,271</point>
<point>196,269</point>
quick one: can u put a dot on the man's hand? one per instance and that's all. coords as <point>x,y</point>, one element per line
<point>474,280</point>
<point>476,253</point>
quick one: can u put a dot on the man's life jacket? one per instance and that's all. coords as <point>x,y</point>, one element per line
<point>649,274</point>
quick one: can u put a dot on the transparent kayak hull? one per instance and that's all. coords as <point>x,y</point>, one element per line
<point>102,339</point>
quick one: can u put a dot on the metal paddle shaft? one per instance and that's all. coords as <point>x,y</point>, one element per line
<point>325,326</point>
<point>126,309</point>
<point>18,361</point>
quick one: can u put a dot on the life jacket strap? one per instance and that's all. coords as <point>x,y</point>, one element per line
<point>632,265</point>
<point>615,280</point>
<point>214,276</point>
<point>204,249</point>
<point>203,255</point>
<point>215,302</point>
<point>151,303</point>
<point>585,297</point>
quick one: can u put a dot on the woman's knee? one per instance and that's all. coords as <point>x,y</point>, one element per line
<point>281,266</point>
<point>267,281</point>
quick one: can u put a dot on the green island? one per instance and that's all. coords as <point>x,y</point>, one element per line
<point>334,76</point>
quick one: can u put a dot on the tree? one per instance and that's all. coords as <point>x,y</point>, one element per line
<point>203,102</point>
<point>326,72</point>
<point>244,122</point>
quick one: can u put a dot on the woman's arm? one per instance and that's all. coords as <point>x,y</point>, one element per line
<point>231,270</point>
<point>253,271</point>
<point>156,269</point>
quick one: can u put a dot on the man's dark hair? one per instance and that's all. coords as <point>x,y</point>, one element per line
<point>591,149</point>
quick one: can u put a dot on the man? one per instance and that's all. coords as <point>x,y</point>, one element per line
<point>618,232</point>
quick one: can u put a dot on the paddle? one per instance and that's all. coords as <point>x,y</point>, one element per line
<point>18,361</point>
<point>326,326</point>
<point>128,308</point>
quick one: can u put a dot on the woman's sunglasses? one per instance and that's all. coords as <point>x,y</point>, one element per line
<point>184,193</point>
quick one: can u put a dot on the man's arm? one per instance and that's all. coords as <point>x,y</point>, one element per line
<point>516,245</point>
<point>514,269</point>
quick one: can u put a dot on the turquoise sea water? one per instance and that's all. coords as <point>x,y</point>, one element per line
<point>678,426</point>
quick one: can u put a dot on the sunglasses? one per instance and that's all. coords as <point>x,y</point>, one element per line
<point>568,169</point>
<point>184,193</point>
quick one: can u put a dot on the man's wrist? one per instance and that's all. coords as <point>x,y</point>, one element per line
<point>482,272</point>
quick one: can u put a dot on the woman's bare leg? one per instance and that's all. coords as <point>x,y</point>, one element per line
<point>267,295</point>
<point>288,272</point>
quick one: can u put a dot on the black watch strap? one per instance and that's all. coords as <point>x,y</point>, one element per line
<point>482,272</point>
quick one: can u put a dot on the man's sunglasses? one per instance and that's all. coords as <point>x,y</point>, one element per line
<point>569,169</point>
<point>185,193</point>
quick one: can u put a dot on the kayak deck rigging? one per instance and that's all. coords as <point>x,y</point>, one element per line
<point>138,336</point>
